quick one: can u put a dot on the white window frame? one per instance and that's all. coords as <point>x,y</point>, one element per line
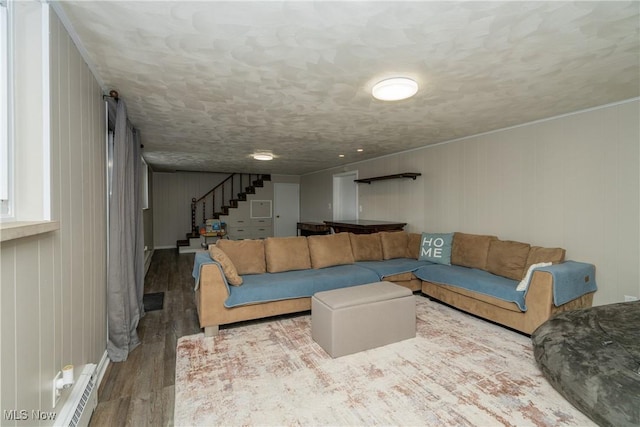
<point>28,144</point>
<point>6,120</point>
<point>145,184</point>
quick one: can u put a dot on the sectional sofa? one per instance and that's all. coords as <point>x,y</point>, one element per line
<point>251,279</point>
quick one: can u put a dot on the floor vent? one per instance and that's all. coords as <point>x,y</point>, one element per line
<point>82,401</point>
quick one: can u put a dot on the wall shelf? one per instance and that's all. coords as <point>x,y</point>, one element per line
<point>412,175</point>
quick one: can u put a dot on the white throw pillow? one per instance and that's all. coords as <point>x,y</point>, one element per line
<point>524,283</point>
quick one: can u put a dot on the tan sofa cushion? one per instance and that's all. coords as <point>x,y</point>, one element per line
<point>366,247</point>
<point>413,245</point>
<point>394,244</point>
<point>246,255</point>
<point>225,262</point>
<point>332,249</point>
<point>507,258</point>
<point>286,254</point>
<point>470,250</point>
<point>539,254</point>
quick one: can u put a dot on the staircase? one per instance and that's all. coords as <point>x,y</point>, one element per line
<point>221,202</point>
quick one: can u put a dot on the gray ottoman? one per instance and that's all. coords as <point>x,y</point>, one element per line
<point>349,320</point>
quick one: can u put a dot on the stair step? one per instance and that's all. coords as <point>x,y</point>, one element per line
<point>231,204</point>
<point>194,245</point>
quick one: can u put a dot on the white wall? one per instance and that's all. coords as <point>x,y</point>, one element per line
<point>571,181</point>
<point>53,285</point>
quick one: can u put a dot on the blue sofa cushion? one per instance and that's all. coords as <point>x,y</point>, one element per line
<point>268,287</point>
<point>393,266</point>
<point>475,280</point>
<point>201,259</point>
<point>571,280</point>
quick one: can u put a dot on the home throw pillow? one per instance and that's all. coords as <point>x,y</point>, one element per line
<point>228,268</point>
<point>436,247</point>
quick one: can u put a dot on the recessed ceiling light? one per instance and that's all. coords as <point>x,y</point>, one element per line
<point>340,155</point>
<point>360,150</point>
<point>262,156</point>
<point>395,89</point>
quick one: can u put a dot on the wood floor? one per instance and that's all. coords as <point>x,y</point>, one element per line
<point>140,391</point>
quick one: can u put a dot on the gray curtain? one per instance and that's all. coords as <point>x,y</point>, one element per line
<point>125,272</point>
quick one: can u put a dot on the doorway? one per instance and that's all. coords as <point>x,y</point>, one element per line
<point>286,201</point>
<point>345,196</point>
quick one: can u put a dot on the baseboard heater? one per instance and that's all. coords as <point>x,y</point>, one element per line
<point>82,401</point>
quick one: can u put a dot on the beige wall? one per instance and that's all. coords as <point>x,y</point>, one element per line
<point>572,181</point>
<point>52,295</point>
<point>285,179</point>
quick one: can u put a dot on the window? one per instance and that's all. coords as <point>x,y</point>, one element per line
<point>26,183</point>
<point>6,164</point>
<point>145,183</point>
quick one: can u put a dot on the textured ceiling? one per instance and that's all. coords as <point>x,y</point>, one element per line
<point>208,83</point>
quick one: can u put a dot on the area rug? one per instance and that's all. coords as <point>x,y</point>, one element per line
<point>459,370</point>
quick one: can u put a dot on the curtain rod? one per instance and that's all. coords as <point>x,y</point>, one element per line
<point>112,94</point>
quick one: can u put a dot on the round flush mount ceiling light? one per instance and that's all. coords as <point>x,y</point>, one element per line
<point>395,89</point>
<point>262,156</point>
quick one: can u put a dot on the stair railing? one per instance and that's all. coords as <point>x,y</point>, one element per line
<point>194,203</point>
<point>224,202</point>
